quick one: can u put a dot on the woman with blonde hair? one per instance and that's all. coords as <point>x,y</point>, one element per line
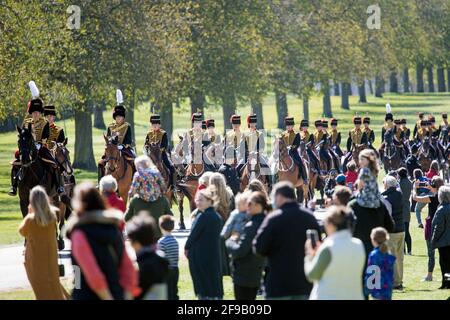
<point>369,194</point>
<point>39,228</point>
<point>224,195</point>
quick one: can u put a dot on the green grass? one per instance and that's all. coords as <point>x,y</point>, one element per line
<point>404,106</point>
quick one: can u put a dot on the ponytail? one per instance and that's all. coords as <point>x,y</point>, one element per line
<point>383,247</point>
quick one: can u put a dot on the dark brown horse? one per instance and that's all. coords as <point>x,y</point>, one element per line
<point>424,156</point>
<point>252,170</point>
<point>392,159</point>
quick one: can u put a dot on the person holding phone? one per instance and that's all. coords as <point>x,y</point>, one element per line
<point>335,266</point>
<point>421,187</point>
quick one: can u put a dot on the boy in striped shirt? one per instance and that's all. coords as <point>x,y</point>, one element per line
<point>169,246</point>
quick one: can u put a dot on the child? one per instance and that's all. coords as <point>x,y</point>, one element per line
<point>238,217</point>
<point>169,245</point>
<point>380,286</point>
<point>153,269</point>
<point>369,194</point>
<point>434,170</point>
<point>351,175</point>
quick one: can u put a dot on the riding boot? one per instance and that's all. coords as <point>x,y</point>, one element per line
<point>100,172</point>
<point>14,181</point>
<point>58,184</point>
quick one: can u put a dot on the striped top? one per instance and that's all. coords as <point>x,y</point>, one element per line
<point>169,245</point>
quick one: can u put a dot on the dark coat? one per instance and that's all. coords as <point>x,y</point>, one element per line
<point>441,227</point>
<point>281,238</point>
<point>395,198</point>
<point>247,266</point>
<point>153,269</point>
<point>367,219</point>
<point>204,254</point>
<point>406,187</point>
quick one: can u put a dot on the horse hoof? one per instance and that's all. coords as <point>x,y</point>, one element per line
<point>61,244</point>
<point>182,226</point>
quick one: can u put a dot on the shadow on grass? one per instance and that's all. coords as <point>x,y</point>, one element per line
<point>10,218</point>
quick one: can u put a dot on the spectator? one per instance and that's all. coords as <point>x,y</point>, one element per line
<point>430,198</point>
<point>203,181</point>
<point>351,175</point>
<point>238,217</point>
<point>397,235</point>
<point>421,190</point>
<point>412,163</point>
<point>342,196</point>
<point>336,266</point>
<point>98,248</point>
<point>169,245</point>
<point>248,266</point>
<point>41,253</point>
<point>256,185</point>
<point>440,238</point>
<point>406,189</point>
<point>203,248</point>
<point>108,188</point>
<point>434,170</point>
<point>368,195</point>
<point>147,192</point>
<point>153,269</point>
<point>330,184</point>
<point>384,263</point>
<point>281,238</point>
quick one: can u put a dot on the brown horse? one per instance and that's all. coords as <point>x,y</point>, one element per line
<point>424,157</point>
<point>313,175</point>
<point>118,167</point>
<point>252,170</point>
<point>391,157</point>
<point>287,170</point>
<point>356,150</point>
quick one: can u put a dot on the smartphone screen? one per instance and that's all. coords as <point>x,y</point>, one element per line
<point>313,236</point>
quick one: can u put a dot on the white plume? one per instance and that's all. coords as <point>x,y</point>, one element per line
<point>388,108</point>
<point>34,89</point>
<point>119,96</point>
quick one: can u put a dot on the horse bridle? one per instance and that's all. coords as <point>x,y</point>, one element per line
<point>66,160</point>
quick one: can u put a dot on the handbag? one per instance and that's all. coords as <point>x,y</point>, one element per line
<point>428,222</point>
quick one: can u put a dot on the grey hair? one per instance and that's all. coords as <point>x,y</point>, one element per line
<point>444,194</point>
<point>242,197</point>
<point>390,181</point>
<point>204,178</point>
<point>108,184</point>
<point>143,162</point>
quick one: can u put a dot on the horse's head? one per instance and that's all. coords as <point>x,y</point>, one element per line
<point>112,153</point>
<point>153,150</point>
<point>388,137</point>
<point>27,148</point>
<point>280,148</point>
<point>62,155</point>
<point>426,144</point>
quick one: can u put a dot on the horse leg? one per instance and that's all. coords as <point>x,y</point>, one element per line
<point>181,224</point>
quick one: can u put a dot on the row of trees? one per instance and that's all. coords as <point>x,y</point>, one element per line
<point>226,50</point>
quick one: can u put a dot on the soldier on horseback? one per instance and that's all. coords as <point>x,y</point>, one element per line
<point>292,140</point>
<point>356,137</point>
<point>158,136</point>
<point>213,140</point>
<point>435,133</point>
<point>370,134</point>
<point>195,140</point>
<point>40,129</point>
<point>418,124</point>
<point>304,134</point>
<point>335,138</point>
<point>393,134</point>
<point>313,142</point>
<point>444,129</point>
<point>120,133</point>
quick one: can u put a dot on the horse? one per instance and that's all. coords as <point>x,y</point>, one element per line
<point>327,166</point>
<point>252,170</point>
<point>356,150</point>
<point>425,157</point>
<point>313,174</point>
<point>287,170</point>
<point>392,159</point>
<point>118,167</point>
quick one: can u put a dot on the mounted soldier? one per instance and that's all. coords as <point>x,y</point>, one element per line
<point>335,138</point>
<point>418,124</point>
<point>444,129</point>
<point>370,134</point>
<point>304,134</point>
<point>292,140</point>
<point>317,136</point>
<point>158,136</point>
<point>194,141</point>
<point>40,130</point>
<point>119,132</point>
<point>435,143</point>
<point>357,139</point>
<point>212,146</point>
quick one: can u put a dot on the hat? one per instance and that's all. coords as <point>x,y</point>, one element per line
<point>397,121</point>
<point>155,119</point>
<point>324,123</point>
<point>118,111</point>
<point>49,110</point>
<point>204,124</point>
<point>334,122</point>
<point>357,120</point>
<point>421,114</point>
<point>35,105</point>
<point>210,123</point>
<point>389,116</point>
<point>366,120</point>
<point>304,123</point>
<point>444,116</point>
<point>423,122</point>
<point>318,123</point>
<point>403,121</point>
<point>289,121</point>
<point>235,119</point>
<point>431,119</point>
<point>340,179</point>
<point>198,116</point>
<point>252,118</point>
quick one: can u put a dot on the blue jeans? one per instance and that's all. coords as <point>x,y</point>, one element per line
<point>419,207</point>
<point>431,259</point>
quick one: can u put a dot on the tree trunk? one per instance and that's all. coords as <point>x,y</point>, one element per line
<point>99,122</point>
<point>84,153</point>
<point>282,108</point>
<point>419,78</point>
<point>370,86</point>
<point>441,79</point>
<point>167,119</point>
<point>378,87</point>
<point>345,104</point>
<point>327,102</point>
<point>229,108</point>
<point>130,113</point>
<point>198,101</point>
<point>305,107</point>
<point>430,79</point>
<point>393,83</point>
<point>405,80</point>
<point>448,79</point>
<point>258,110</point>
<point>336,89</point>
<point>383,85</point>
<point>362,92</point>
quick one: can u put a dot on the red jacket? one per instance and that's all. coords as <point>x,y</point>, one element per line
<point>351,177</point>
<point>115,202</point>
<point>431,173</point>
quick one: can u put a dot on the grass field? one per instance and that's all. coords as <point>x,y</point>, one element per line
<point>405,106</point>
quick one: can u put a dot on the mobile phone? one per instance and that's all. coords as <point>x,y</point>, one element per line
<point>423,184</point>
<point>319,202</point>
<point>313,236</point>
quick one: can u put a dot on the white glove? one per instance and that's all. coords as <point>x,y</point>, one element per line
<point>120,147</point>
<point>38,146</point>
